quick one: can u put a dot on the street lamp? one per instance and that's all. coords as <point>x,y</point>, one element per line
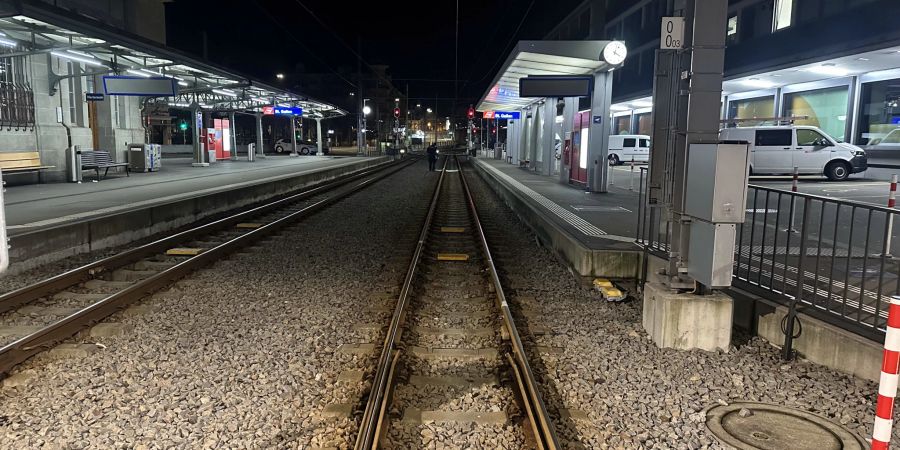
<point>280,76</point>
<point>366,110</point>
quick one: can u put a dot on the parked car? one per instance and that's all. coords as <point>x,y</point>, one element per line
<point>624,148</point>
<point>891,139</point>
<point>776,150</point>
<point>303,147</point>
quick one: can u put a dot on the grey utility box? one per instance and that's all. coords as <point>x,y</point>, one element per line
<point>144,157</point>
<point>715,199</point>
<point>711,253</point>
<point>717,182</point>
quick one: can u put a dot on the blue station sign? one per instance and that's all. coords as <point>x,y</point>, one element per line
<point>282,111</point>
<point>508,115</point>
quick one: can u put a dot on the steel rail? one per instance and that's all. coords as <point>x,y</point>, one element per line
<point>27,346</point>
<point>24,295</point>
<point>373,417</point>
<point>367,438</point>
<point>546,433</point>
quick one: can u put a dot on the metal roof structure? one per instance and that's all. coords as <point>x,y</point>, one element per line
<point>540,58</point>
<point>28,29</point>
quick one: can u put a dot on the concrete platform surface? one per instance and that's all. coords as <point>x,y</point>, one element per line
<point>37,206</point>
<point>595,219</point>
<point>594,233</point>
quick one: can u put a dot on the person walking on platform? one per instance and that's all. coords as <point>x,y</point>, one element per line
<point>432,156</point>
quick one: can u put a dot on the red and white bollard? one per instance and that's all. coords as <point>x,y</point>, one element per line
<point>890,373</point>
<point>892,201</point>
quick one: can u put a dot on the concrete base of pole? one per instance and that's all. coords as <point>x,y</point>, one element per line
<point>687,321</point>
<point>196,164</point>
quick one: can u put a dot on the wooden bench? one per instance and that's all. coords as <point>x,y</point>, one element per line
<point>96,160</point>
<point>22,162</point>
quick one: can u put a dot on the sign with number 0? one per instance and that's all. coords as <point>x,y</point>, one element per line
<point>672,37</point>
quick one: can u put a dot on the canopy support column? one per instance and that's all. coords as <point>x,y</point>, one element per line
<point>196,135</point>
<point>319,134</point>
<point>598,148</point>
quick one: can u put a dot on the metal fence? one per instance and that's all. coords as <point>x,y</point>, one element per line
<point>832,259</point>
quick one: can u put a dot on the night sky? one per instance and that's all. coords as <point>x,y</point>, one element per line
<point>416,39</point>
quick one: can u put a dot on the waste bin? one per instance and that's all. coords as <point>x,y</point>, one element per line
<point>212,156</point>
<point>73,164</point>
<point>144,157</point>
<point>251,152</point>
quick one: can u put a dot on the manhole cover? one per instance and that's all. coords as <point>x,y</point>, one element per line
<point>773,427</point>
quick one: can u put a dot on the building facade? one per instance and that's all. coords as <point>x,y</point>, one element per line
<point>834,64</point>
<point>44,107</point>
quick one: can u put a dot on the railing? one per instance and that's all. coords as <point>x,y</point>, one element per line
<point>832,259</point>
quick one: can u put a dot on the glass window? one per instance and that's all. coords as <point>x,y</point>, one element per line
<point>644,123</point>
<point>879,113</point>
<point>645,143</point>
<point>73,103</point>
<point>811,137</point>
<point>622,125</point>
<point>773,138</point>
<point>629,142</point>
<point>731,34</point>
<point>783,13</point>
<point>751,108</point>
<point>823,108</point>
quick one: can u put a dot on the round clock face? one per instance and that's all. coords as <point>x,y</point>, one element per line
<point>615,52</point>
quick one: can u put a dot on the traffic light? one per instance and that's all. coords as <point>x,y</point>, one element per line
<point>471,113</point>
<point>397,113</point>
<point>182,125</point>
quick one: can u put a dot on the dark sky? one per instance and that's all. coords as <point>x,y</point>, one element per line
<point>416,39</point>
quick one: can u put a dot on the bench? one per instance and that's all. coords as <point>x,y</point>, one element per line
<point>96,160</point>
<point>22,162</point>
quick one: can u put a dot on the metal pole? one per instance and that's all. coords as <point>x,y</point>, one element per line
<point>293,136</point>
<point>319,134</point>
<point>788,350</point>
<point>197,131</point>
<point>892,199</point>
<point>360,135</point>
<point>259,136</point>
<point>233,136</point>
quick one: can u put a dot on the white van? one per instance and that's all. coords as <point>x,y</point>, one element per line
<point>776,150</point>
<point>625,147</point>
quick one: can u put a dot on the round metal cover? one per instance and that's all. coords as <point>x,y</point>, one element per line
<point>773,427</point>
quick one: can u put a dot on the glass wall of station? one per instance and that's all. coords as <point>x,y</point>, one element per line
<point>878,119</point>
<point>752,108</point>
<point>824,108</point>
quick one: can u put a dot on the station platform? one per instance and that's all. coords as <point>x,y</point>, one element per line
<point>51,221</point>
<point>593,232</point>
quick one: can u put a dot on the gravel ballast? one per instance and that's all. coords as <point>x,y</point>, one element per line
<point>246,353</point>
<point>634,394</point>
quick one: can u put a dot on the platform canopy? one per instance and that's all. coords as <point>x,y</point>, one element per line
<point>33,29</point>
<point>540,58</point>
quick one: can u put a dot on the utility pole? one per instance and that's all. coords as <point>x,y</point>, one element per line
<point>360,134</point>
<point>688,165</point>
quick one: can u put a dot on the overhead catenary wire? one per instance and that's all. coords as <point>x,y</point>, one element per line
<point>505,48</point>
<point>300,42</point>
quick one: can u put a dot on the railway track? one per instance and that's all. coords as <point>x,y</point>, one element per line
<point>39,316</point>
<point>453,371</point>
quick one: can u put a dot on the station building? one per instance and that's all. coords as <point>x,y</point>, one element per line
<point>56,55</point>
<point>43,108</point>
<point>835,61</point>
